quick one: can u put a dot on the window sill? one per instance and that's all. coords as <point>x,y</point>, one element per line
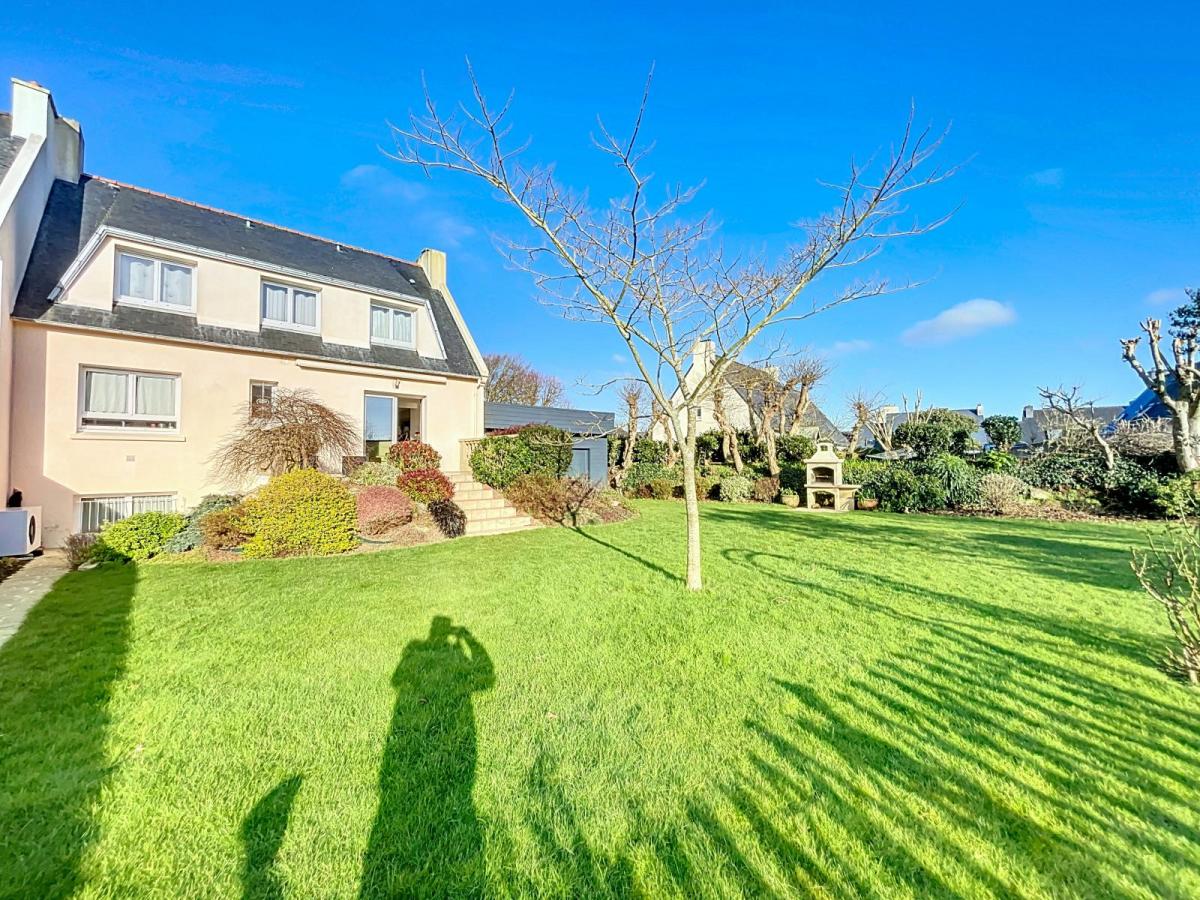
<point>188,311</point>
<point>392,345</point>
<point>295,329</point>
<point>130,435</point>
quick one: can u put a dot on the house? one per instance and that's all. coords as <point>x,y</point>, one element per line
<point>1042,426</point>
<point>742,404</point>
<point>138,327</point>
<point>589,453</point>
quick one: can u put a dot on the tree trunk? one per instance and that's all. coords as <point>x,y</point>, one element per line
<point>853,436</point>
<point>1185,428</point>
<point>772,454</point>
<point>691,504</point>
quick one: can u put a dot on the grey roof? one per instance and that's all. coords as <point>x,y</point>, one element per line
<point>576,421</point>
<point>9,146</point>
<point>1033,428</point>
<point>866,440</point>
<point>813,416</point>
<point>74,212</point>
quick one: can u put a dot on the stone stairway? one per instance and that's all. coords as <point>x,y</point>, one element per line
<point>487,511</point>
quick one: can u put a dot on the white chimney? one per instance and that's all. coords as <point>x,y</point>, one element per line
<point>1027,412</point>
<point>979,410</point>
<point>703,354</point>
<point>434,264</point>
<point>34,116</point>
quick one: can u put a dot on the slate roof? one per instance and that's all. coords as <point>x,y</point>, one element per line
<point>813,417</point>
<point>74,212</point>
<point>1033,428</point>
<point>9,145</point>
<point>866,440</point>
<point>576,421</point>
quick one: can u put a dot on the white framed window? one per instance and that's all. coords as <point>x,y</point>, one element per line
<point>160,283</point>
<point>262,397</point>
<point>285,306</point>
<point>115,400</point>
<point>393,326</point>
<point>96,512</point>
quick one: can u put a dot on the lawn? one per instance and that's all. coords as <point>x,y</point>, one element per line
<point>857,705</point>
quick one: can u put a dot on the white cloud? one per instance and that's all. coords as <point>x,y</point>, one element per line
<point>845,348</point>
<point>445,229</point>
<point>1167,297</point>
<point>619,359</point>
<point>962,320</point>
<point>1047,177</point>
<point>378,180</point>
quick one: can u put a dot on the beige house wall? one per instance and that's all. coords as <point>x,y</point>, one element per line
<point>228,294</point>
<point>55,463</point>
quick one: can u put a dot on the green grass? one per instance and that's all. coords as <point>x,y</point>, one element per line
<point>856,705</point>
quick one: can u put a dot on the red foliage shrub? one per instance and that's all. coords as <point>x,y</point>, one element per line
<point>382,508</point>
<point>412,456</point>
<point>425,485</point>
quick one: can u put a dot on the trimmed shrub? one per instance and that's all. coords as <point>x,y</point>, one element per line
<point>425,485</point>
<point>735,489</point>
<point>375,473</point>
<point>382,508</point>
<point>648,450</point>
<point>449,518</point>
<point>708,445</point>
<point>549,449</point>
<point>895,487</point>
<point>191,536</point>
<point>659,489</point>
<point>138,537</point>
<point>1179,497</point>
<point>222,530</point>
<point>793,448</point>
<point>80,549</point>
<point>641,474</point>
<point>299,513</point>
<point>409,456</point>
<point>766,489</point>
<point>499,460</point>
<point>793,476</point>
<point>1002,494</point>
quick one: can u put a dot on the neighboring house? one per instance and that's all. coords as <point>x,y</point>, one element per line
<point>1042,426</point>
<point>137,328</point>
<point>589,454</point>
<point>743,406</point>
<point>894,418</point>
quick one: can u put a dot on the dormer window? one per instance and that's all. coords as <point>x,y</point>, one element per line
<point>284,306</point>
<point>393,326</point>
<point>158,283</point>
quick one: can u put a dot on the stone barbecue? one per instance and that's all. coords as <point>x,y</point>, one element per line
<point>823,486</point>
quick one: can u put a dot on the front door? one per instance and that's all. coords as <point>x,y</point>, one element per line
<point>387,419</point>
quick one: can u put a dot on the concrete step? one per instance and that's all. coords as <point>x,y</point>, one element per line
<point>502,511</point>
<point>499,526</point>
<point>481,502</point>
<point>475,493</point>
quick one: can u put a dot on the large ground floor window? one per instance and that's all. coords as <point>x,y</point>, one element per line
<point>388,419</point>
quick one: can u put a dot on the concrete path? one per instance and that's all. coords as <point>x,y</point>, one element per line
<point>19,593</point>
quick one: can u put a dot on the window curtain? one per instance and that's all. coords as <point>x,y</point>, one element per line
<point>176,285</point>
<point>306,308</point>
<point>275,303</point>
<point>137,278</point>
<point>402,326</point>
<point>105,392</point>
<point>380,326</point>
<point>155,396</point>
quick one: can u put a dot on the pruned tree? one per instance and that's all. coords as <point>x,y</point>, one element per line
<point>864,408</point>
<point>730,451</point>
<point>633,394</point>
<point>1175,383</point>
<point>513,380</point>
<point>881,424</point>
<point>659,278</point>
<point>1142,436</point>
<point>1077,418</point>
<point>294,431</point>
<point>808,371</point>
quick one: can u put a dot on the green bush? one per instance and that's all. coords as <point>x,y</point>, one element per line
<point>658,489</point>
<point>641,474</point>
<point>793,476</point>
<point>449,518</point>
<point>549,448</point>
<point>375,473</point>
<point>899,489</point>
<point>299,513</point>
<point>997,461</point>
<point>735,489</point>
<point>410,456</point>
<point>425,485</point>
<point>1179,497</point>
<point>793,448</point>
<point>1062,471</point>
<point>957,479</point>
<point>533,450</point>
<point>766,489</point>
<point>190,535</point>
<point>1131,488</point>
<point>138,537</point>
<point>708,446</point>
<point>1003,431</point>
<point>862,471</point>
<point>648,450</point>
<point>938,431</point>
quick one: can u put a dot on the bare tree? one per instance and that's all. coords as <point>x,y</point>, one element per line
<point>1141,437</point>
<point>659,279</point>
<point>730,452</point>
<point>633,394</point>
<point>294,431</point>
<point>864,409</point>
<point>513,380</point>
<point>1077,417</point>
<point>1176,384</point>
<point>807,371</point>
<point>881,425</point>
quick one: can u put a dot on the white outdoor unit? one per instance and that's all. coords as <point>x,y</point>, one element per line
<point>20,530</point>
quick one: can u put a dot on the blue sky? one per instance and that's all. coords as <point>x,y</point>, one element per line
<point>1080,200</point>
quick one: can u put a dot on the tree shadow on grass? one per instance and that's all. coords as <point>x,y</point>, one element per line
<point>426,840</point>
<point>640,560</point>
<point>57,675</point>
<point>263,830</point>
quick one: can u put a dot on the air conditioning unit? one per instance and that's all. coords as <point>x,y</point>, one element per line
<point>20,531</point>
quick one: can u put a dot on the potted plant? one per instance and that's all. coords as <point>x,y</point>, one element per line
<point>789,498</point>
<point>866,503</point>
